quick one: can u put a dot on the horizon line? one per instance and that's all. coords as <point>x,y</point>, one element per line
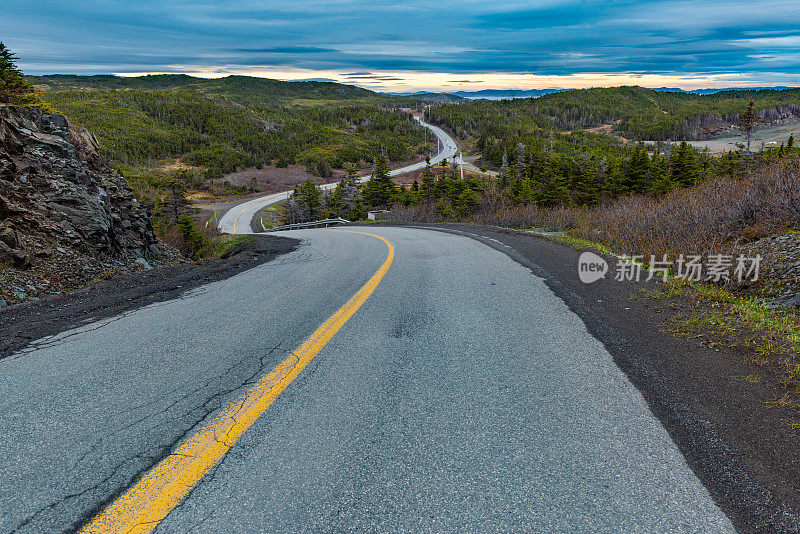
<point>415,90</point>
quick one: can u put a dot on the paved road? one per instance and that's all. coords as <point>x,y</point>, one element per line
<point>237,220</point>
<point>462,396</point>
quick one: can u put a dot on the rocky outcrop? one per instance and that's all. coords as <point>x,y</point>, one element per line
<point>60,203</point>
<point>711,125</point>
<point>779,273</point>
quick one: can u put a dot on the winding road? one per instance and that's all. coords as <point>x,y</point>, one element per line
<point>459,395</point>
<point>374,379</point>
<point>237,220</point>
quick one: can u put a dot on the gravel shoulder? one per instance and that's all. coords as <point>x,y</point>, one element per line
<point>25,323</point>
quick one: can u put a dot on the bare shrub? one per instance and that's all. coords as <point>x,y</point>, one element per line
<point>712,217</point>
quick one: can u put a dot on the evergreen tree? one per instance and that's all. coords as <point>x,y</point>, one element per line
<point>466,201</point>
<point>683,166</point>
<point>14,89</point>
<point>615,184</point>
<point>637,172</point>
<point>427,182</point>
<point>305,203</point>
<point>660,179</point>
<point>379,191</point>
<point>191,237</point>
<point>586,187</point>
<point>175,203</point>
<point>344,196</point>
<point>747,122</point>
<point>357,212</point>
<point>552,189</point>
<point>332,202</point>
<point>790,143</point>
<point>520,188</point>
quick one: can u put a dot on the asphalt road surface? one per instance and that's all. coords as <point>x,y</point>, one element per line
<point>237,220</point>
<point>461,396</point>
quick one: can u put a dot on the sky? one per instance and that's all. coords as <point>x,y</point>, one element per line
<point>410,45</point>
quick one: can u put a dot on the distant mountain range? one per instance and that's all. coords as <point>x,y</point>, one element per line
<point>503,94</point>
<point>712,91</point>
<point>485,94</point>
<point>508,94</point>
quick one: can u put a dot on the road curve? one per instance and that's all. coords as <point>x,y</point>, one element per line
<point>237,220</point>
<point>463,395</point>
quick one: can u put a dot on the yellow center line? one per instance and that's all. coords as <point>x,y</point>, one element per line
<point>237,219</point>
<point>142,507</point>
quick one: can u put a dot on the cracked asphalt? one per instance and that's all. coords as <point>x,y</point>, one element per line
<point>463,395</point>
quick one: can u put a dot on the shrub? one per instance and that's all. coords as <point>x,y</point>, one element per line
<point>714,216</point>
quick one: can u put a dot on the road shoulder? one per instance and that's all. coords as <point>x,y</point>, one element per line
<point>22,325</point>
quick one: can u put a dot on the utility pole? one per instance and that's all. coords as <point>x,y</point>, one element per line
<point>461,163</point>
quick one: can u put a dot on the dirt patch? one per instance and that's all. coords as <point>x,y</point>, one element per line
<point>272,179</point>
<point>607,129</point>
<point>176,165</point>
<point>20,325</point>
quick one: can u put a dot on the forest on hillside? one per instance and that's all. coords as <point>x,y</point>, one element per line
<point>233,123</point>
<point>636,113</point>
<point>545,157</point>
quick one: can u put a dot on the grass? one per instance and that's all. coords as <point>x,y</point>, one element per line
<point>271,216</point>
<point>222,245</point>
<point>578,243</point>
<point>719,318</point>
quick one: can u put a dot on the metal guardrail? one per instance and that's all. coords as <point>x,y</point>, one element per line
<point>312,224</point>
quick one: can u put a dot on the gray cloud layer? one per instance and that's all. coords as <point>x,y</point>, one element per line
<point>671,37</point>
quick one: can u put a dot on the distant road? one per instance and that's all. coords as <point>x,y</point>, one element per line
<point>237,219</point>
<point>461,396</point>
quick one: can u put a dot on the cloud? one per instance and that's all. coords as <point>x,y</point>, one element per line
<point>286,50</point>
<point>362,40</point>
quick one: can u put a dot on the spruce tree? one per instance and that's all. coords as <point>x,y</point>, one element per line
<point>520,189</point>
<point>586,187</point>
<point>379,191</point>
<point>14,89</point>
<point>637,171</point>
<point>747,122</point>
<point>427,182</point>
<point>357,212</point>
<point>683,166</point>
<point>466,201</point>
<point>306,201</point>
<point>660,179</point>
<point>615,185</point>
<point>552,189</point>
